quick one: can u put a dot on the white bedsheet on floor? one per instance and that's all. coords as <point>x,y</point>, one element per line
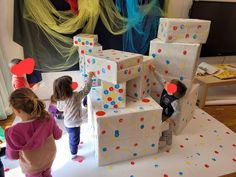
<point>206,148</point>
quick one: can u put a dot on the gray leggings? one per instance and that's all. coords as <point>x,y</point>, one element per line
<point>167,136</point>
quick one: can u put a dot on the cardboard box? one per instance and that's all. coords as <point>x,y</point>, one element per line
<point>83,50</point>
<point>124,134</point>
<point>183,30</point>
<point>85,40</point>
<point>177,60</point>
<point>113,96</point>
<point>140,87</point>
<point>114,66</point>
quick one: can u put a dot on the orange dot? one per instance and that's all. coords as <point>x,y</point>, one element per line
<point>145,100</point>
<point>100,113</point>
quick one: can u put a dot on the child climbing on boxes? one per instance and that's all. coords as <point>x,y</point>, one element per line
<point>32,141</point>
<point>172,92</point>
<point>69,102</point>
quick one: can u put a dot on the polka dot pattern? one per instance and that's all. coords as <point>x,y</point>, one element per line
<point>85,40</point>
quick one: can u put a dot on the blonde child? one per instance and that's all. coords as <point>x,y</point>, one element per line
<point>69,102</point>
<point>32,141</point>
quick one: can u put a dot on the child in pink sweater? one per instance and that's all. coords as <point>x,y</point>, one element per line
<point>32,141</point>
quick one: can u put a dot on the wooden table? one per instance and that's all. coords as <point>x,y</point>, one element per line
<point>209,81</point>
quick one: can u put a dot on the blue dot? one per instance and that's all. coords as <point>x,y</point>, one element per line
<point>214,159</point>
<point>198,154</point>
<point>87,42</point>
<point>139,69</point>
<point>117,133</point>
<point>106,106</point>
<point>148,91</point>
<point>79,40</point>
<point>120,98</point>
<point>90,50</point>
<point>153,145</point>
<point>103,70</point>
<point>147,80</point>
<point>104,149</point>
<point>153,55</point>
<point>98,99</point>
<point>115,111</point>
<point>220,146</point>
<point>181,78</point>
<point>85,75</point>
<point>126,71</point>
<point>93,60</point>
<point>167,62</point>
<point>107,57</point>
<point>135,94</point>
<point>105,92</point>
<point>181,26</point>
<point>117,86</point>
<point>194,36</point>
<point>135,154</point>
<point>156,165</point>
<point>140,107</point>
<point>215,131</point>
<point>180,173</point>
<point>131,175</point>
<point>113,103</point>
<point>93,88</point>
<point>142,126</point>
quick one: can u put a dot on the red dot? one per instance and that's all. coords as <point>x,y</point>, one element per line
<point>121,66</point>
<point>207,166</point>
<point>121,120</point>
<point>158,95</point>
<point>115,106</point>
<point>216,152</point>
<point>170,37</point>
<point>88,60</point>
<point>181,146</point>
<point>194,117</point>
<point>142,119</point>
<point>199,26</point>
<point>167,151</point>
<point>234,159</point>
<point>91,43</point>
<point>138,60</point>
<point>175,27</point>
<point>132,162</point>
<point>117,147</point>
<point>117,58</point>
<point>82,43</point>
<point>187,36</point>
<point>6,169</point>
<point>201,136</point>
<point>81,142</point>
<point>145,77</point>
<point>153,127</point>
<point>98,72</point>
<point>154,83</point>
<point>129,72</point>
<point>148,85</point>
<point>145,100</point>
<point>136,144</point>
<point>109,99</point>
<point>159,50</point>
<point>149,67</point>
<point>228,133</point>
<point>134,85</point>
<point>103,132</point>
<point>109,67</point>
<point>120,90</point>
<point>111,88</point>
<point>82,51</point>
<point>76,42</point>
<point>165,175</point>
<point>166,71</point>
<point>100,113</point>
<point>234,145</point>
<point>209,120</point>
<point>184,52</point>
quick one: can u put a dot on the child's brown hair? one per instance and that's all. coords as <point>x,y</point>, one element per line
<point>25,99</point>
<point>181,88</point>
<point>14,62</point>
<point>62,88</point>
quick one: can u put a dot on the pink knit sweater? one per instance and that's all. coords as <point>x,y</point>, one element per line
<point>33,143</point>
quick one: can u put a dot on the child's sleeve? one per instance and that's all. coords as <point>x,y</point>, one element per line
<point>60,105</point>
<point>57,132</point>
<point>86,88</point>
<point>11,149</point>
<point>176,107</point>
<point>159,78</point>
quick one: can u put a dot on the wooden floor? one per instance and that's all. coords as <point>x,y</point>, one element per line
<point>225,114</point>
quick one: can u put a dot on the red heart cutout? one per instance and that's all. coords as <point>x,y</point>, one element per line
<point>74,85</point>
<point>171,88</point>
<point>24,67</point>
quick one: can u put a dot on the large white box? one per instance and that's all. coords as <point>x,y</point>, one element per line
<point>183,30</point>
<point>124,134</point>
<point>140,87</point>
<point>177,60</point>
<point>113,96</point>
<point>114,66</point>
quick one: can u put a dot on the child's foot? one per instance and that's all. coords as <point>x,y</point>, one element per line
<point>78,158</point>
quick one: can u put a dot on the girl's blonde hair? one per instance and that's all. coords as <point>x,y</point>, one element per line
<point>26,100</point>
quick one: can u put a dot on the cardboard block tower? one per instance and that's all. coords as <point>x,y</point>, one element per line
<point>176,51</point>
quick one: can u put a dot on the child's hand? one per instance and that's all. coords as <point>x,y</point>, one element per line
<point>91,74</point>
